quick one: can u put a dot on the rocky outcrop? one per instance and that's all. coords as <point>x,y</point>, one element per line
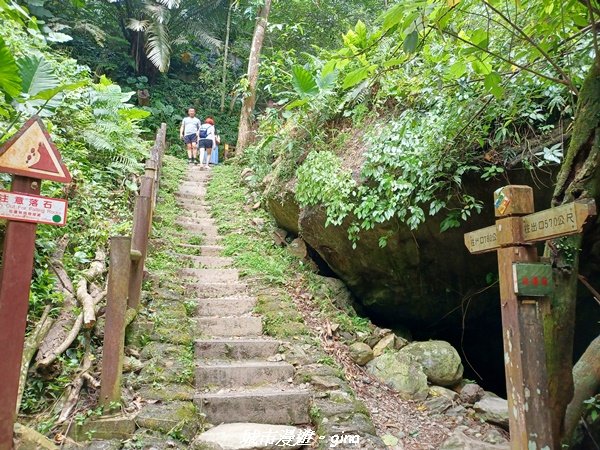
<point>418,278</point>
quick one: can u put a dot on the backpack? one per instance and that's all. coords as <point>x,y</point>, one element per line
<point>204,131</point>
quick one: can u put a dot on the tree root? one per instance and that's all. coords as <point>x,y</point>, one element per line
<point>586,374</point>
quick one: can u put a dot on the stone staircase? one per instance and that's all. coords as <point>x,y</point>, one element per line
<point>240,377</point>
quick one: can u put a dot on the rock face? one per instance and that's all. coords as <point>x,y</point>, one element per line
<point>417,277</point>
<point>441,362</point>
<point>401,372</point>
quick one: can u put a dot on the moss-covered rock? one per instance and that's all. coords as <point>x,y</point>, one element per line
<point>179,419</point>
<point>401,372</point>
<point>441,362</point>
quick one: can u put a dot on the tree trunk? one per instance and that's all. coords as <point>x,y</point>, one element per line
<point>225,56</point>
<point>579,178</point>
<point>245,128</point>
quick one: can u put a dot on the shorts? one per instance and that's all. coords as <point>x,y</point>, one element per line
<point>190,138</point>
<point>205,143</point>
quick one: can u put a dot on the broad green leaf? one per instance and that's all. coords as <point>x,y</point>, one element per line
<point>457,70</point>
<point>394,62</point>
<point>356,76</point>
<point>304,82</point>
<point>361,32</point>
<point>492,83</point>
<point>36,75</point>
<point>49,93</point>
<point>297,103</point>
<point>481,67</point>
<point>134,113</point>
<point>393,16</point>
<point>411,42</point>
<point>10,81</point>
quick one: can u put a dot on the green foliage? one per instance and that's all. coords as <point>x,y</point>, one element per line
<point>434,97</point>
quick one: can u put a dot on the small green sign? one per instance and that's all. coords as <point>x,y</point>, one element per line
<point>533,279</point>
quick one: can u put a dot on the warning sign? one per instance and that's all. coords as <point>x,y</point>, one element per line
<point>32,153</point>
<point>33,208</point>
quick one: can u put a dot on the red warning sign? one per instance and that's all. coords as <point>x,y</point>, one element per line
<point>32,153</point>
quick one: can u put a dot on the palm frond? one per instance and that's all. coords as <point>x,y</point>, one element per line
<point>171,4</point>
<point>94,31</point>
<point>207,40</point>
<point>138,25</point>
<point>158,46</point>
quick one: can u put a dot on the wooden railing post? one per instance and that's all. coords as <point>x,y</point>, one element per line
<point>142,224</point>
<point>114,330</point>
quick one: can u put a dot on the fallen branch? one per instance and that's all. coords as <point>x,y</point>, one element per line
<point>87,303</point>
<point>97,267</point>
<point>31,345</point>
<point>77,384</point>
<point>587,284</point>
<point>67,326</point>
<point>71,336</point>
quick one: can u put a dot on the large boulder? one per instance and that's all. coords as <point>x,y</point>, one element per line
<point>401,372</point>
<point>441,362</point>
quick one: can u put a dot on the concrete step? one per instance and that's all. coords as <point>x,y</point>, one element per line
<point>236,348</point>
<point>225,306</point>
<point>190,220</point>
<point>230,374</point>
<point>240,326</point>
<point>208,262</point>
<point>211,275</point>
<point>276,406</point>
<point>212,290</point>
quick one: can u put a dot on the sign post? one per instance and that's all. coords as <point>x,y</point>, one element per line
<point>524,287</point>
<point>31,156</point>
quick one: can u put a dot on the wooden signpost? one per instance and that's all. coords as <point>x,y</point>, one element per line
<point>32,157</point>
<point>524,286</point>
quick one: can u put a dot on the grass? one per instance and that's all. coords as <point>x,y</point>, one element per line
<point>257,257</point>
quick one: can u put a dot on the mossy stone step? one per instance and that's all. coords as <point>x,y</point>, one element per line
<point>229,326</point>
<point>230,374</point>
<point>266,405</point>
<point>173,417</point>
<point>210,262</point>
<point>211,275</point>
<point>214,290</point>
<point>225,306</point>
<point>236,348</point>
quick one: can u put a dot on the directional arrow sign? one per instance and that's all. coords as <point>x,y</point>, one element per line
<point>560,221</point>
<point>483,240</point>
<point>32,153</point>
<point>540,226</point>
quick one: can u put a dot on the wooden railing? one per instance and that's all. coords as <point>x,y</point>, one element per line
<point>126,273</point>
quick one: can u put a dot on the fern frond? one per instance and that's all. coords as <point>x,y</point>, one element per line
<point>138,25</point>
<point>159,47</point>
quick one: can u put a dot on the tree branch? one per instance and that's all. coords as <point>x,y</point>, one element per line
<point>566,78</point>
<point>514,63</point>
